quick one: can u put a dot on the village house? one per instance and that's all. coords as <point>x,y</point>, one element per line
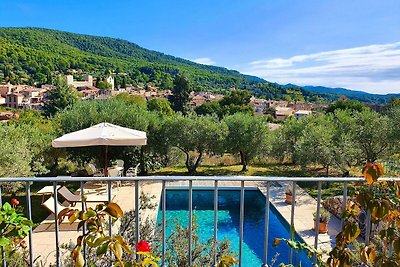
<point>277,104</point>
<point>302,113</point>
<point>88,82</point>
<point>5,89</point>
<point>90,93</point>
<point>282,113</point>
<point>197,100</point>
<point>259,105</point>
<point>14,100</point>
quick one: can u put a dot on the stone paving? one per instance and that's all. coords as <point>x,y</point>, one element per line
<point>43,237</point>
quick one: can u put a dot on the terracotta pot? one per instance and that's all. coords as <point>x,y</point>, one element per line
<point>289,199</point>
<point>323,227</point>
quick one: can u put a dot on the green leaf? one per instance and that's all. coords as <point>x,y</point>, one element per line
<point>4,242</point>
<point>101,250</point>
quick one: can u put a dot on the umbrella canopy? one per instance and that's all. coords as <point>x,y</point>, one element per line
<point>103,134</point>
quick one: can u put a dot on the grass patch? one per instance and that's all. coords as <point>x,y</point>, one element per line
<point>284,170</point>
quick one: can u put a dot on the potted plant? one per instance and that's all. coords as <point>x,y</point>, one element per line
<point>324,218</point>
<point>289,195</point>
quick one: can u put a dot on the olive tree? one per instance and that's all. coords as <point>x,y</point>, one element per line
<point>346,152</point>
<point>160,105</point>
<point>315,145</point>
<point>285,138</point>
<point>373,134</point>
<point>246,136</point>
<point>15,156</point>
<point>195,136</point>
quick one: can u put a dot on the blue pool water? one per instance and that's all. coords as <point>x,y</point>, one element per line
<point>228,222</point>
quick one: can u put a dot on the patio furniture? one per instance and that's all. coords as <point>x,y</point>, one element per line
<point>132,171</point>
<point>120,164</point>
<point>115,173</point>
<point>47,190</point>
<point>49,204</point>
<point>73,199</point>
<point>96,172</point>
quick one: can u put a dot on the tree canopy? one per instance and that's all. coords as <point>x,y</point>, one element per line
<point>59,98</point>
<point>181,93</point>
<point>246,136</point>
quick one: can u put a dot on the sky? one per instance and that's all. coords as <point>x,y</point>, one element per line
<point>338,43</point>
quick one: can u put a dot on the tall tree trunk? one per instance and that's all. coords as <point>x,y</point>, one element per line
<point>193,167</point>
<point>243,161</point>
<point>187,162</point>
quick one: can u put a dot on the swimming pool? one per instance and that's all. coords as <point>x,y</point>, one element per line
<point>228,222</point>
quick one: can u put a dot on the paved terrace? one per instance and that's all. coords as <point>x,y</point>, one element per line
<point>43,237</point>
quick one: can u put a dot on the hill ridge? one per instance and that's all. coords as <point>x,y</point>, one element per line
<point>31,55</point>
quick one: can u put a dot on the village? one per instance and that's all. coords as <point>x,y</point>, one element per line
<point>32,98</point>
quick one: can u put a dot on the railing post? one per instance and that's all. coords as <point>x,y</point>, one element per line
<point>84,225</point>
<point>316,219</point>
<point>137,213</point>
<point>3,254</point>
<point>344,203</point>
<point>164,200</point>
<point>190,221</point>
<point>29,212</point>
<point>58,260</point>
<point>266,229</point>
<point>215,247</point>
<point>241,224</point>
<point>109,193</point>
<point>292,220</point>
<point>368,225</point>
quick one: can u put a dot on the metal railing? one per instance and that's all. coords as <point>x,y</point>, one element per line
<point>190,179</point>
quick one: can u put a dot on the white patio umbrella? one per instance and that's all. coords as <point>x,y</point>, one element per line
<point>103,134</point>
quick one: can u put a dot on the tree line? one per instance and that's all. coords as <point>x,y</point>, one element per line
<point>338,139</point>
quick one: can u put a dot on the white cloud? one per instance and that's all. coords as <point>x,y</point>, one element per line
<point>204,61</point>
<point>373,68</point>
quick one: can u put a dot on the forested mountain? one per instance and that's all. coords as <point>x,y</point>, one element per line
<point>355,95</point>
<point>34,56</point>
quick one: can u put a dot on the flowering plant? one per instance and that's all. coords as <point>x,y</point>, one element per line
<point>13,226</point>
<point>96,237</point>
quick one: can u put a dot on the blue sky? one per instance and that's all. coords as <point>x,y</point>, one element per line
<point>353,44</point>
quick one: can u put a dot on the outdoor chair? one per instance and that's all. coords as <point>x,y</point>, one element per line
<point>73,199</point>
<point>132,171</point>
<point>115,173</point>
<point>120,164</point>
<point>96,172</point>
<point>49,204</point>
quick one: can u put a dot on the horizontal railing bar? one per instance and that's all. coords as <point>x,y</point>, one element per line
<point>192,178</point>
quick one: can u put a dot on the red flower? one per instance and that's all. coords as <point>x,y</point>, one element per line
<point>23,244</point>
<point>14,202</point>
<point>143,246</point>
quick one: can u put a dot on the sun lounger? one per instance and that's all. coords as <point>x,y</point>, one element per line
<point>49,204</point>
<point>72,198</point>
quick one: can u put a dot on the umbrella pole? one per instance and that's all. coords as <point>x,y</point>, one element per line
<point>106,161</point>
